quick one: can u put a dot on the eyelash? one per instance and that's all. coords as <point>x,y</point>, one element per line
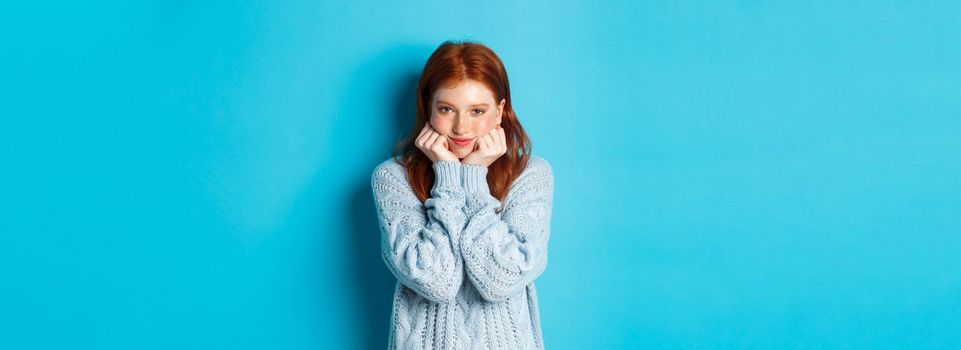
<point>441,109</point>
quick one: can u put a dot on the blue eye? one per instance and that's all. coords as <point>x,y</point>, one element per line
<point>479,111</point>
<point>444,109</point>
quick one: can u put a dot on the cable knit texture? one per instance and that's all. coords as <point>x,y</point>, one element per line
<point>465,267</point>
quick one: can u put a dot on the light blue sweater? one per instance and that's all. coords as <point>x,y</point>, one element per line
<point>465,270</point>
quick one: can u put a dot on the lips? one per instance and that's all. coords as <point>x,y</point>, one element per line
<point>461,142</point>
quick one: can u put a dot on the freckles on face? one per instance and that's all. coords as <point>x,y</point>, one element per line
<point>462,151</point>
<point>445,127</point>
<point>465,111</point>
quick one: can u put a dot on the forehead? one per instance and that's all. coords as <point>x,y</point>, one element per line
<point>466,93</point>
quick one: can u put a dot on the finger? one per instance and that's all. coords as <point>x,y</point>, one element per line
<point>440,143</point>
<point>486,143</point>
<point>440,146</point>
<point>503,139</point>
<point>431,138</point>
<point>423,133</point>
<point>424,130</point>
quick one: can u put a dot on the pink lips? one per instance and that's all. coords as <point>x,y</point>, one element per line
<point>461,142</point>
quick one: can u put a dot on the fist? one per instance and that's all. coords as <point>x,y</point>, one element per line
<point>488,148</point>
<point>434,145</point>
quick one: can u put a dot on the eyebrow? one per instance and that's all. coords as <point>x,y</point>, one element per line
<point>473,105</point>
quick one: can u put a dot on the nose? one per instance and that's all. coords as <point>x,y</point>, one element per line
<point>461,125</point>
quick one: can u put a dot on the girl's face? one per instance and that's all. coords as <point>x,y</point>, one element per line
<point>464,112</point>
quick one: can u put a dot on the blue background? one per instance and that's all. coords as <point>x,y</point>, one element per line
<point>727,175</point>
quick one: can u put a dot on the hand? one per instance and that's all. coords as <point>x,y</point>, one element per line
<point>488,148</point>
<point>434,145</point>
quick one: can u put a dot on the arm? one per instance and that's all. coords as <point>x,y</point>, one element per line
<point>422,249</point>
<point>503,255</point>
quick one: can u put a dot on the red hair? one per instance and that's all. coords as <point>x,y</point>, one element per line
<point>451,64</point>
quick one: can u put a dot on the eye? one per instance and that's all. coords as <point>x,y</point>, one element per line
<point>479,111</point>
<point>444,109</point>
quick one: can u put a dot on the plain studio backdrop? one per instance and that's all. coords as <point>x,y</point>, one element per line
<point>196,175</point>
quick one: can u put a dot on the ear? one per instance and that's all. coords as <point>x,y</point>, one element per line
<point>500,110</point>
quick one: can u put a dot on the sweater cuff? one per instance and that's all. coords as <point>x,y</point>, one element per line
<point>447,174</point>
<point>475,179</point>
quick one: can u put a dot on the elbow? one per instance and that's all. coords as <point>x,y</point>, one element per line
<point>434,294</point>
<point>493,296</point>
<point>496,294</point>
<point>447,296</point>
<point>439,290</point>
<point>494,290</point>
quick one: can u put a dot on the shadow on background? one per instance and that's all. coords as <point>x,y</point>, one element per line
<point>398,70</point>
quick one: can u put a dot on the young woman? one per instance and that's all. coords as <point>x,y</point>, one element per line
<point>464,211</point>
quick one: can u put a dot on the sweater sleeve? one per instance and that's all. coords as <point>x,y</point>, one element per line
<point>420,243</point>
<point>504,254</point>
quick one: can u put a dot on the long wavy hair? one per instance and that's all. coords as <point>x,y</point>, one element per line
<point>451,64</point>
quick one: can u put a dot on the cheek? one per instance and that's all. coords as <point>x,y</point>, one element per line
<point>488,126</point>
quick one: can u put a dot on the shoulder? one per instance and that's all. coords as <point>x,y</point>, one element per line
<point>390,164</point>
<point>388,170</point>
<point>538,174</point>
<point>538,167</point>
<point>536,183</point>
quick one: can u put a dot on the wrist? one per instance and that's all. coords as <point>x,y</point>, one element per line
<point>447,173</point>
<point>474,163</point>
<point>475,178</point>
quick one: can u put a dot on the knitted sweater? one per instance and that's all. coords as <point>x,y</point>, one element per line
<point>465,268</point>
